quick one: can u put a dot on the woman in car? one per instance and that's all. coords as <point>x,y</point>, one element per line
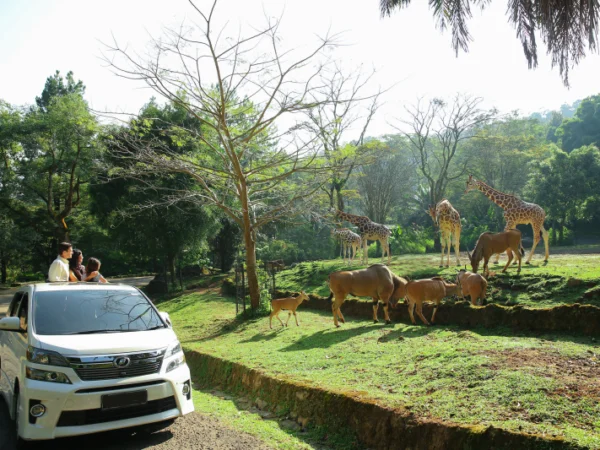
<point>77,271</point>
<point>93,267</point>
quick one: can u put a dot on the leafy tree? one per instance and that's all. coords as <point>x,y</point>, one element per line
<point>564,183</point>
<point>51,153</point>
<point>566,27</point>
<point>584,128</point>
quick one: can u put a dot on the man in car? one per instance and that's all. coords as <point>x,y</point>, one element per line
<point>59,269</point>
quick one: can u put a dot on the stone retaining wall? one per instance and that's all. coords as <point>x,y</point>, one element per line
<point>375,426</point>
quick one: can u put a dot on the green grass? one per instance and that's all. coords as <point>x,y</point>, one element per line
<point>538,286</point>
<point>548,384</point>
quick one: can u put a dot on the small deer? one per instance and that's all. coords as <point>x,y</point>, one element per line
<point>289,304</point>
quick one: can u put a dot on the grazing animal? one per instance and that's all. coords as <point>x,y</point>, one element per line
<point>432,289</point>
<point>516,212</point>
<point>472,284</point>
<point>447,219</point>
<point>489,244</point>
<point>289,304</point>
<point>275,265</point>
<point>351,242</point>
<point>376,281</point>
<point>369,231</point>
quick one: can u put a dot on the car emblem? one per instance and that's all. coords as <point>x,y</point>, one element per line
<point>122,362</point>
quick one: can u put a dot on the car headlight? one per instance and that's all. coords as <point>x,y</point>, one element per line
<point>46,375</point>
<point>175,362</point>
<point>174,348</point>
<point>174,357</point>
<point>39,356</point>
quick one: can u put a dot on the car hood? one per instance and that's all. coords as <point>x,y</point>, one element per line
<point>107,343</point>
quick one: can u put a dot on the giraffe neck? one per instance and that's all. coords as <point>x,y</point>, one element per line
<point>494,195</point>
<point>355,220</point>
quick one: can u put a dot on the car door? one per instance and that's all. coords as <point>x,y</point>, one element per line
<point>7,339</point>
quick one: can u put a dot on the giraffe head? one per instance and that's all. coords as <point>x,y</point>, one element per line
<point>471,184</point>
<point>432,213</point>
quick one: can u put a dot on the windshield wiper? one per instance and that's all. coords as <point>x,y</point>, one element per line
<point>103,331</point>
<point>154,328</point>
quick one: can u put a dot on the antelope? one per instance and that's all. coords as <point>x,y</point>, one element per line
<point>472,284</point>
<point>289,304</point>
<point>433,289</point>
<point>376,281</point>
<point>488,244</point>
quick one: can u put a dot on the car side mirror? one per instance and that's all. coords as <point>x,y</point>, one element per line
<point>166,318</point>
<point>10,324</point>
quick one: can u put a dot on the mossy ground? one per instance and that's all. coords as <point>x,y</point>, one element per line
<point>538,286</point>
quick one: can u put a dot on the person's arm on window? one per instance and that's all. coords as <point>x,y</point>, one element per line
<point>72,277</point>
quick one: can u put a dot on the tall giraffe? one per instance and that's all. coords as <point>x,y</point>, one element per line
<point>448,221</point>
<point>351,242</point>
<point>516,212</point>
<point>369,230</point>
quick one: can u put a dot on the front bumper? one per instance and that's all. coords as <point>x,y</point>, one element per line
<point>75,409</point>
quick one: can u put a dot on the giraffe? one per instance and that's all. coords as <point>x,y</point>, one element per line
<point>351,242</point>
<point>369,231</point>
<point>516,212</point>
<point>447,220</point>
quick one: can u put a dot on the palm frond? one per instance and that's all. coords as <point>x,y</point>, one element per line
<point>568,27</point>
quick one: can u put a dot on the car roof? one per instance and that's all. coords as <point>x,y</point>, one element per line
<point>81,286</point>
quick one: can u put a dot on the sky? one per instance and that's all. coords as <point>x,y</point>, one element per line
<point>406,49</point>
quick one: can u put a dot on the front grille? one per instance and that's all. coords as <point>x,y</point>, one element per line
<point>94,368</point>
<point>92,416</point>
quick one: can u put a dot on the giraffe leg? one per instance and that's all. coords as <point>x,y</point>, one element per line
<point>536,239</point>
<point>546,243</point>
<point>365,252</point>
<point>443,238</point>
<point>449,247</point>
<point>457,245</point>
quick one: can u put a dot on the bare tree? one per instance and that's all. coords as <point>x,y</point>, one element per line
<point>435,131</point>
<point>238,90</point>
<point>348,110</point>
<point>389,181</point>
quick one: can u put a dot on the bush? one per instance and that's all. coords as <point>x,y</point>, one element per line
<point>566,240</point>
<point>413,239</point>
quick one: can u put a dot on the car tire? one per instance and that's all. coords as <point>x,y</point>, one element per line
<point>19,443</point>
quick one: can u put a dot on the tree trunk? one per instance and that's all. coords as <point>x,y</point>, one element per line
<point>251,268</point>
<point>171,262</point>
<point>340,197</point>
<point>3,268</point>
<point>561,232</point>
<point>330,193</point>
<point>62,231</point>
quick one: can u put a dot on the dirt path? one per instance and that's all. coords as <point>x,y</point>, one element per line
<point>194,431</point>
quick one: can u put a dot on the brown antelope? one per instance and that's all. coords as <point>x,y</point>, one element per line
<point>376,281</point>
<point>432,289</point>
<point>289,304</point>
<point>472,284</point>
<point>488,244</point>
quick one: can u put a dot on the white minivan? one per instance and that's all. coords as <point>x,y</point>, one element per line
<point>78,358</point>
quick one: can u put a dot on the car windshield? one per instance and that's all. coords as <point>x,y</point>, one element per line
<point>93,311</point>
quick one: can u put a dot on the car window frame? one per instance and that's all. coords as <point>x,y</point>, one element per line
<point>15,304</point>
<point>22,304</point>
